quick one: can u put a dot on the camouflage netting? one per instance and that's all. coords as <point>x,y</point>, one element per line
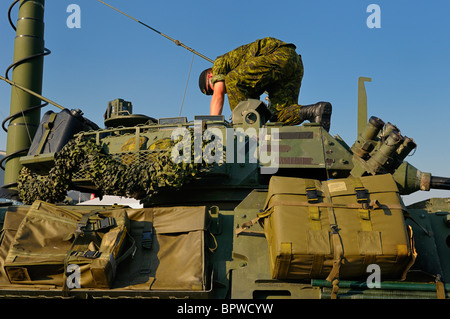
<point>110,176</point>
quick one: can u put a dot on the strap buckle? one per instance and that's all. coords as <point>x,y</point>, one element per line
<point>334,229</point>
<point>87,254</point>
<point>80,227</point>
<point>311,194</point>
<point>362,196</point>
<point>147,239</point>
<point>105,223</point>
<point>100,225</point>
<point>91,254</point>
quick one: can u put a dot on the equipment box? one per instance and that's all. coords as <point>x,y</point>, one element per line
<point>56,129</point>
<point>336,228</point>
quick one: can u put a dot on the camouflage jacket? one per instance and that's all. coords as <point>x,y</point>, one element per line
<point>229,61</point>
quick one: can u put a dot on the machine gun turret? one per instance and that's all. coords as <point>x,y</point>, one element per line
<point>381,148</point>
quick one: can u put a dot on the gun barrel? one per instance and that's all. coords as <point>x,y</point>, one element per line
<point>440,182</point>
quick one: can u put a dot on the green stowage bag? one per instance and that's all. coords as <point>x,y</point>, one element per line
<point>61,247</point>
<point>337,228</point>
<point>171,250</point>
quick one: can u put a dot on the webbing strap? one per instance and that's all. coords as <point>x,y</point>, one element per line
<point>362,197</point>
<point>412,250</point>
<point>364,216</point>
<point>84,221</point>
<point>90,254</point>
<point>65,290</point>
<point>336,240</point>
<point>147,241</point>
<point>147,235</point>
<point>284,260</point>
<point>314,217</point>
<point>364,213</point>
<point>440,288</point>
<point>372,205</point>
<point>314,212</point>
<point>338,254</point>
<point>311,191</point>
<point>317,265</point>
<point>129,252</point>
<point>335,289</point>
<point>104,224</point>
<point>250,223</point>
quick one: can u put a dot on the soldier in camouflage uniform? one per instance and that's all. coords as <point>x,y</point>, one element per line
<point>267,65</point>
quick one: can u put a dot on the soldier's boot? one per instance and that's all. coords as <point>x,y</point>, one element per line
<point>317,113</point>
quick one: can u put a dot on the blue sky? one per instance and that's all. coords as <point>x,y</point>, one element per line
<point>112,56</point>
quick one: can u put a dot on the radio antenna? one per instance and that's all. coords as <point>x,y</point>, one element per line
<point>177,42</point>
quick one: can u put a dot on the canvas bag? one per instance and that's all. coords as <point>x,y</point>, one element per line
<point>171,250</point>
<point>51,238</point>
<point>13,218</point>
<point>335,229</point>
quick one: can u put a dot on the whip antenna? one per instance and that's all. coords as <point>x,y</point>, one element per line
<point>177,42</point>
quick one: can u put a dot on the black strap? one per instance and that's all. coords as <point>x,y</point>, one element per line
<point>147,235</point>
<point>84,221</point>
<point>104,224</point>
<point>147,242</point>
<point>101,225</point>
<point>362,194</point>
<point>86,254</point>
<point>311,191</point>
<point>129,252</point>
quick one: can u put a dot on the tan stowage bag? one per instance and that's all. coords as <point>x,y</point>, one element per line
<point>336,228</point>
<point>168,247</point>
<point>171,250</point>
<point>52,243</point>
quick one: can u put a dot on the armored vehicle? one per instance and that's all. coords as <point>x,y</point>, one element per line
<point>240,208</point>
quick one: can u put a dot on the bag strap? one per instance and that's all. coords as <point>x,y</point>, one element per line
<point>250,223</point>
<point>90,254</point>
<point>440,288</point>
<point>284,260</point>
<point>335,237</point>
<point>66,290</point>
<point>362,194</point>
<point>372,205</point>
<point>311,191</point>
<point>314,214</point>
<point>313,198</point>
<point>129,252</point>
<point>82,224</point>
<point>147,242</point>
<point>362,198</point>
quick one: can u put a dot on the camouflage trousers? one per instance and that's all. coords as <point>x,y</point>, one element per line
<point>280,74</point>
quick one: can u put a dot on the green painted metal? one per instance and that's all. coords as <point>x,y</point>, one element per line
<point>430,223</point>
<point>385,285</point>
<point>235,191</point>
<point>29,41</point>
<point>362,104</point>
<point>385,290</point>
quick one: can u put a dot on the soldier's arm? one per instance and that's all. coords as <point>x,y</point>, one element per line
<point>218,98</point>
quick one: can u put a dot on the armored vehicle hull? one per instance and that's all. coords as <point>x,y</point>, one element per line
<point>244,208</point>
